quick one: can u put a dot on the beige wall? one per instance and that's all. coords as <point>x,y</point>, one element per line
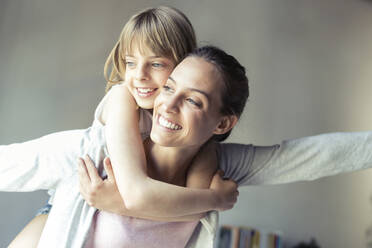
<point>309,64</point>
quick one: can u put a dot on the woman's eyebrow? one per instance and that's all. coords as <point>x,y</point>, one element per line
<point>192,89</point>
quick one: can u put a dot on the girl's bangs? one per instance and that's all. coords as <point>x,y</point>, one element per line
<point>146,41</point>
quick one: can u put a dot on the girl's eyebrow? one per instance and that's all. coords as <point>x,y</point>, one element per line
<point>192,89</point>
<point>150,57</point>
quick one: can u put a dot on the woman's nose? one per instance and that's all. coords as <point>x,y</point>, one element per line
<point>171,104</point>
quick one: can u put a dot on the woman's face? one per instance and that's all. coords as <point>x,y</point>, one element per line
<point>145,75</point>
<point>186,112</point>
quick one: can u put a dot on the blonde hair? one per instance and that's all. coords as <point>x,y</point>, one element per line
<point>164,30</point>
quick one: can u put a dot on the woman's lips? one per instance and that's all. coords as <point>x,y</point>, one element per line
<point>166,123</point>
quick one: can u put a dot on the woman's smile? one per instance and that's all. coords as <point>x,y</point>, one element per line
<point>186,111</point>
<point>168,124</point>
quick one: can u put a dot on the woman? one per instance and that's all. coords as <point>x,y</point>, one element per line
<point>302,159</point>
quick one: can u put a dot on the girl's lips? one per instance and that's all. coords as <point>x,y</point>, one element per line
<point>145,92</point>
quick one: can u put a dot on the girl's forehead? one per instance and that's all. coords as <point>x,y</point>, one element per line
<point>140,49</point>
<point>146,52</point>
<point>141,45</point>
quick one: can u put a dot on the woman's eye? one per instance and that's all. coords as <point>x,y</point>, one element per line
<point>167,88</point>
<point>197,104</point>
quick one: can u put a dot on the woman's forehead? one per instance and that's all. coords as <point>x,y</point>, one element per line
<point>197,73</point>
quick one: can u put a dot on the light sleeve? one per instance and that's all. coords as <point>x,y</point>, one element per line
<point>302,159</point>
<point>41,163</point>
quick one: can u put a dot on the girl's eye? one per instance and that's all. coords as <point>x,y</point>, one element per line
<point>197,104</point>
<point>129,63</point>
<point>157,65</point>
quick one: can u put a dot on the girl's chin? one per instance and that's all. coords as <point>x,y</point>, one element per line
<point>145,102</point>
<point>149,104</point>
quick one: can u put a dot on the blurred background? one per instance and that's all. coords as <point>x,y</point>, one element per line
<point>310,70</point>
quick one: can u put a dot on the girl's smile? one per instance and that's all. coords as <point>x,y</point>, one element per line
<point>145,92</point>
<point>145,74</point>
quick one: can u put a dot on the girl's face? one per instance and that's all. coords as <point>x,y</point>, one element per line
<point>145,74</point>
<point>186,112</point>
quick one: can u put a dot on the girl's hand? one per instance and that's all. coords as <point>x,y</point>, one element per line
<point>98,193</point>
<point>104,194</point>
<point>226,191</point>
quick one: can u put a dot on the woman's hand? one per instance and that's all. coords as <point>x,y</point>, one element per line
<point>226,190</point>
<point>98,193</point>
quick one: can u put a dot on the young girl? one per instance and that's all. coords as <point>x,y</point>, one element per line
<point>149,47</point>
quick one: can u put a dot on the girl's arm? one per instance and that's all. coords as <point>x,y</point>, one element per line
<point>140,192</point>
<point>203,167</point>
<point>104,195</point>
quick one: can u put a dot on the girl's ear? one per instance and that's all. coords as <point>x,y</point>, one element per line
<point>226,124</point>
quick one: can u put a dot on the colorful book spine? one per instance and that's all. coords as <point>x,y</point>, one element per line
<point>246,237</point>
<point>256,239</point>
<point>245,240</point>
<point>224,237</point>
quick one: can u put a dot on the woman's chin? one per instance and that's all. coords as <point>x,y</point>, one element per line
<point>163,141</point>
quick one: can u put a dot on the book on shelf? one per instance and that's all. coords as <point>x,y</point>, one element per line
<point>246,237</point>
<point>228,237</point>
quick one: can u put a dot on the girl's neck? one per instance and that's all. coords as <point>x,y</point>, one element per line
<point>168,164</point>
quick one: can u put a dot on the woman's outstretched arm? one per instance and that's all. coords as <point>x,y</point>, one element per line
<point>302,159</point>
<point>40,163</point>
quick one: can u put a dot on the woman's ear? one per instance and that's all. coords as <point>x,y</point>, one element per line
<point>226,124</point>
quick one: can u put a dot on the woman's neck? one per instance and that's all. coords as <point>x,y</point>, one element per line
<point>168,164</point>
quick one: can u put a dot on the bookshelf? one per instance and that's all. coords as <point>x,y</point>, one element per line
<point>247,237</point>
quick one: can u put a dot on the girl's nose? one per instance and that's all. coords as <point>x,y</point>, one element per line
<point>141,72</point>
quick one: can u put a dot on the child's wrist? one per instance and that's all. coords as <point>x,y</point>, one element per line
<point>216,200</point>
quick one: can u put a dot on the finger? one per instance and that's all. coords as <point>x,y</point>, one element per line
<point>92,171</point>
<point>84,178</point>
<point>216,178</point>
<point>108,169</point>
<point>220,173</point>
<point>233,183</point>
